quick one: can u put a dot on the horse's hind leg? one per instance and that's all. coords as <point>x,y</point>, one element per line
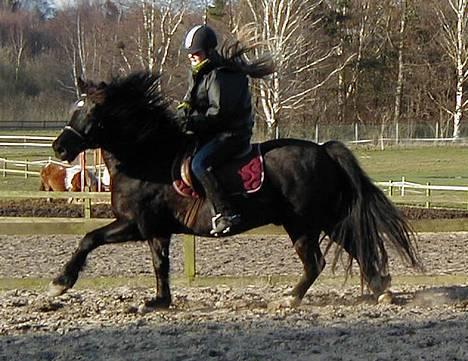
<point>160,255</point>
<point>306,244</point>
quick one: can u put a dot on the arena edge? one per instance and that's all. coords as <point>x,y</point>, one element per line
<point>49,226</point>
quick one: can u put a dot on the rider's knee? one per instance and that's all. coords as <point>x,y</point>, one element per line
<point>199,166</point>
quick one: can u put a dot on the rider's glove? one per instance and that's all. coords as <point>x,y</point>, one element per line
<point>183,116</point>
<point>183,109</point>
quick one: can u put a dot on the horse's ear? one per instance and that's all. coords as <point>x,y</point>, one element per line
<point>83,86</point>
<point>98,96</point>
<point>88,87</point>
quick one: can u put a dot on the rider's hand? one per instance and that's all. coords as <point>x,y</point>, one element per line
<point>183,110</point>
<point>183,116</point>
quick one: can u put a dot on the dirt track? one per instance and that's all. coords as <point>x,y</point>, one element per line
<point>427,322</point>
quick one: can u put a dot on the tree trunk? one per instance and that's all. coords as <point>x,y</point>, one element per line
<point>461,64</point>
<point>400,80</point>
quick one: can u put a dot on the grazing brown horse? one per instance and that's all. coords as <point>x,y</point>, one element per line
<point>58,178</point>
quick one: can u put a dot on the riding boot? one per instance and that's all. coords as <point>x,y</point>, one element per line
<point>225,217</point>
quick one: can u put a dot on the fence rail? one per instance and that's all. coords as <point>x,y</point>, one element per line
<point>404,192</point>
<point>43,225</point>
<point>24,167</point>
<point>25,141</point>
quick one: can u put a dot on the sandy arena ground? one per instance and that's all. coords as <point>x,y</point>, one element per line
<point>428,321</point>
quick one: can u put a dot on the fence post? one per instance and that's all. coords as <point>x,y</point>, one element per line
<point>390,188</point>
<point>402,189</point>
<point>316,133</point>
<point>397,133</point>
<point>189,257</point>
<point>87,207</point>
<point>356,132</point>
<point>4,166</point>
<point>26,169</point>
<point>428,195</point>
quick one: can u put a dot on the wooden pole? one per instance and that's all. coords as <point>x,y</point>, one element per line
<point>397,133</point>
<point>4,166</point>
<point>82,170</point>
<point>356,132</point>
<point>428,195</point>
<point>189,257</point>
<point>86,201</point>
<point>99,170</point>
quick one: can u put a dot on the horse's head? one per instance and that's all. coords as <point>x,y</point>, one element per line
<point>120,115</point>
<point>84,129</point>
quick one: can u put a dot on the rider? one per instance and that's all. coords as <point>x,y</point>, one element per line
<point>217,109</point>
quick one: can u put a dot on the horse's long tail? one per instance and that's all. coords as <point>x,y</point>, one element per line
<point>368,219</point>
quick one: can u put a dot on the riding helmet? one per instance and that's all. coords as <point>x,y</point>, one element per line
<point>200,38</point>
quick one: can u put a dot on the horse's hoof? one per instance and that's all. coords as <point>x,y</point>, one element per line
<point>385,298</point>
<point>286,302</point>
<point>155,304</point>
<point>55,290</point>
<point>143,309</point>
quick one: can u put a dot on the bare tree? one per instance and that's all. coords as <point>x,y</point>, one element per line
<point>74,43</point>
<point>284,28</point>
<point>84,41</point>
<point>18,44</point>
<point>160,22</point>
<point>455,43</point>
<point>400,79</point>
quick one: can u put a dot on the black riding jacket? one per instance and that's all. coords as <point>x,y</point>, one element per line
<point>220,101</point>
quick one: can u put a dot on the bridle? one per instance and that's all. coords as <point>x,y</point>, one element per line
<point>81,136</point>
<point>74,131</point>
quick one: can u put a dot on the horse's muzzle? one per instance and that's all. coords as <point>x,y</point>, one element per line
<point>67,146</point>
<point>60,152</point>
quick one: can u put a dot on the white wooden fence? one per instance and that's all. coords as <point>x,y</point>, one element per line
<point>399,191</point>
<point>25,141</point>
<point>428,194</point>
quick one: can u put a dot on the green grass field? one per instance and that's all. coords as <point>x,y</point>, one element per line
<point>438,165</point>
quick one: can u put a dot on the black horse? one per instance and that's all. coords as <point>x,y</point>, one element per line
<point>308,189</point>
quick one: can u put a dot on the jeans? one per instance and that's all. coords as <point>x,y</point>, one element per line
<point>217,151</point>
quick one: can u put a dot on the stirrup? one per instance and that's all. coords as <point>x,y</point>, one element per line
<point>222,224</point>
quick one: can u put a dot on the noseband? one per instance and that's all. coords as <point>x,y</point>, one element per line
<point>81,136</point>
<point>74,131</point>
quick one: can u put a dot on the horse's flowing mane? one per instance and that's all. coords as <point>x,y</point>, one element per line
<point>136,103</point>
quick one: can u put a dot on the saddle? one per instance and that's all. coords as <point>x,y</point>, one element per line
<point>241,176</point>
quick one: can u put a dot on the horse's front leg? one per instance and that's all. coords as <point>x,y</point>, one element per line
<point>115,232</point>
<point>160,254</point>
